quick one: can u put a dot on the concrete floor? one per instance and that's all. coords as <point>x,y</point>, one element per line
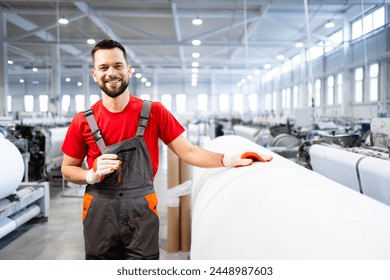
<point>60,237</point>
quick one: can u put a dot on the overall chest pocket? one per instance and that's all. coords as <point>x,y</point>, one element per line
<point>129,172</point>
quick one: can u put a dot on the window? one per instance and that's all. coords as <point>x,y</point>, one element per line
<point>330,90</point>
<point>374,72</point>
<point>359,85</point>
<point>93,98</point>
<point>339,88</point>
<point>252,99</point>
<point>238,102</point>
<point>29,103</point>
<point>181,103</point>
<point>315,52</point>
<point>224,102</point>
<point>369,23</point>
<point>80,102</point>
<point>274,100</point>
<point>9,103</point>
<point>335,40</point>
<point>43,103</point>
<point>202,102</point>
<point>268,102</point>
<point>284,98</point>
<point>295,96</point>
<point>166,100</point>
<point>288,98</point>
<point>65,103</point>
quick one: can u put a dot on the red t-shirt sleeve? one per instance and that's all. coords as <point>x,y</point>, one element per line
<point>74,144</point>
<point>169,127</point>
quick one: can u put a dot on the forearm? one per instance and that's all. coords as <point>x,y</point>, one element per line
<point>195,155</point>
<point>74,174</point>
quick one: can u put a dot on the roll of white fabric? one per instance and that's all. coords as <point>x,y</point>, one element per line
<point>11,167</point>
<point>336,164</point>
<point>280,210</point>
<point>375,178</point>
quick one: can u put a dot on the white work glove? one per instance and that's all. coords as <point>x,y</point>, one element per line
<point>238,159</point>
<point>103,165</point>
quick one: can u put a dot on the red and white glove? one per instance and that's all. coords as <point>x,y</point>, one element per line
<point>103,165</point>
<point>243,159</point>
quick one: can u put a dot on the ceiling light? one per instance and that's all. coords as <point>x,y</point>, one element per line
<point>195,70</point>
<point>91,41</point>
<point>298,44</point>
<point>144,80</point>
<point>196,42</point>
<point>257,72</point>
<point>63,21</point>
<point>79,84</point>
<point>67,80</point>
<point>280,57</point>
<point>249,77</point>
<point>10,62</point>
<point>195,64</point>
<point>195,55</point>
<point>148,84</point>
<point>138,75</point>
<point>267,66</point>
<point>197,21</point>
<point>329,24</point>
<point>21,81</point>
<point>35,69</point>
<point>239,84</point>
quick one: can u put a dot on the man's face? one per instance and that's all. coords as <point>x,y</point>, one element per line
<point>111,71</point>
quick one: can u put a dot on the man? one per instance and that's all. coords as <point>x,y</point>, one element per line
<point>119,138</point>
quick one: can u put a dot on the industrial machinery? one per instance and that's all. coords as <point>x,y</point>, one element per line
<point>359,162</point>
<point>19,202</point>
<point>281,210</point>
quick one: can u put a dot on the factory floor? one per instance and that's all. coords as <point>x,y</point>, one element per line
<point>60,237</point>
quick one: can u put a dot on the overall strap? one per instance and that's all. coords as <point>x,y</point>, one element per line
<point>144,117</point>
<point>97,135</point>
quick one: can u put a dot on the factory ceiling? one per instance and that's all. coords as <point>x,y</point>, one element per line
<point>237,36</point>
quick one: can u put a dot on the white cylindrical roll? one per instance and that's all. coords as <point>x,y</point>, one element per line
<point>336,164</point>
<point>375,178</point>
<point>11,168</point>
<point>280,210</point>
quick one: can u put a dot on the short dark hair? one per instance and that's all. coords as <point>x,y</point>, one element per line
<point>107,44</point>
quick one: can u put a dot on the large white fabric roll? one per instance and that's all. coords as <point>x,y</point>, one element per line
<point>11,167</point>
<point>336,164</point>
<point>280,210</point>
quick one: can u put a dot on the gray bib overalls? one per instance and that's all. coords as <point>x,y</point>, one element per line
<point>120,213</point>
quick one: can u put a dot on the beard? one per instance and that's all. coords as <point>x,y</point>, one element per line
<point>116,91</point>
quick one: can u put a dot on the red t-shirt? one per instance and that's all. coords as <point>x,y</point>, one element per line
<point>117,127</point>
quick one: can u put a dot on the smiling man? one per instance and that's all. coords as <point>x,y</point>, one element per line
<point>118,137</point>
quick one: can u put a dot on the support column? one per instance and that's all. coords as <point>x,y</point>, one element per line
<point>86,75</point>
<point>55,95</point>
<point>3,67</point>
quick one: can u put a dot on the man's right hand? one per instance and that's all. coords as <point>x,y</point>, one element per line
<point>103,165</point>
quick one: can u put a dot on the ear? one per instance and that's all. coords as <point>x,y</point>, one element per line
<point>94,75</point>
<point>129,70</point>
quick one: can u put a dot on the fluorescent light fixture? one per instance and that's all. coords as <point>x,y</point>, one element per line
<point>91,41</point>
<point>195,64</point>
<point>197,21</point>
<point>267,66</point>
<point>196,42</point>
<point>195,55</point>
<point>63,21</point>
<point>329,24</point>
